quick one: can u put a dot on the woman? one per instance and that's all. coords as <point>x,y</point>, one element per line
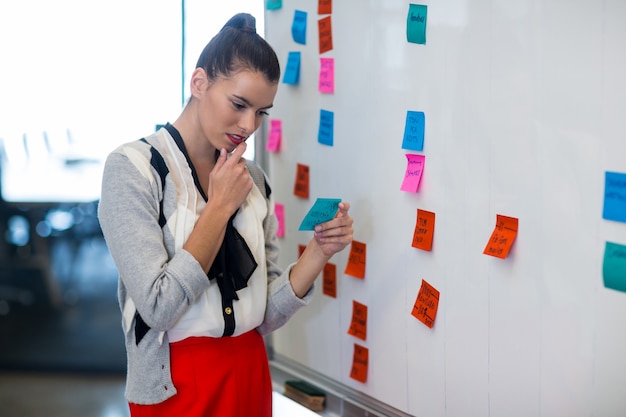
<point>193,239</point>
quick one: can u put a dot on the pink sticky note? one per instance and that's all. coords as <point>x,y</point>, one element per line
<point>279,210</point>
<point>414,170</point>
<point>275,135</point>
<point>327,75</point>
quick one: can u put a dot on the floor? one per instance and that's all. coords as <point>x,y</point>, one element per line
<point>61,395</point>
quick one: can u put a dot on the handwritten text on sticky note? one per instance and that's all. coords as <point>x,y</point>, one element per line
<point>325,134</point>
<point>426,304</point>
<point>414,131</point>
<point>413,174</point>
<point>416,23</point>
<point>327,75</point>
<point>301,187</point>
<point>298,27</point>
<point>502,237</point>
<point>275,135</point>
<point>358,325</point>
<point>614,196</point>
<point>292,71</point>
<point>325,29</point>
<point>424,230</point>
<point>324,6</point>
<point>360,363</point>
<point>323,210</point>
<point>329,280</point>
<point>356,260</point>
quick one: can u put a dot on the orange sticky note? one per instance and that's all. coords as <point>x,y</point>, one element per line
<point>358,326</point>
<point>301,249</point>
<point>325,30</point>
<point>425,308</point>
<point>329,280</point>
<point>279,211</point>
<point>275,135</point>
<point>360,363</point>
<point>301,188</point>
<point>324,6</point>
<point>502,237</point>
<point>356,260</point>
<point>424,230</point>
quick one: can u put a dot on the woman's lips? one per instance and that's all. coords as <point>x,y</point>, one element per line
<point>236,139</point>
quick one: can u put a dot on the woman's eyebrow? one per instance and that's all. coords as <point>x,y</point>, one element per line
<point>245,100</point>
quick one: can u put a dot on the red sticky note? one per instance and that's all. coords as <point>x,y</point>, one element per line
<point>279,211</point>
<point>301,187</point>
<point>356,260</point>
<point>425,308</point>
<point>413,174</point>
<point>329,280</point>
<point>325,30</point>
<point>301,249</point>
<point>275,135</point>
<point>360,363</point>
<point>324,6</point>
<point>358,325</point>
<point>424,230</point>
<point>502,237</point>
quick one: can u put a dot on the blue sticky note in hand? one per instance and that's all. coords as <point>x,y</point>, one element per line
<point>614,196</point>
<point>323,210</point>
<point>298,27</point>
<point>414,131</point>
<point>325,133</point>
<point>292,72</point>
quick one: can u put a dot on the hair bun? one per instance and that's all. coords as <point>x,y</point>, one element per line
<point>242,21</point>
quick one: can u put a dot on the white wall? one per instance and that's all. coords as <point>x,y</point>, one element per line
<point>524,105</point>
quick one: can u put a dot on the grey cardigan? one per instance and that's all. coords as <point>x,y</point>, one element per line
<point>157,279</point>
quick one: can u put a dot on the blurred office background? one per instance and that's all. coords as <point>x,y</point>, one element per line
<point>79,78</point>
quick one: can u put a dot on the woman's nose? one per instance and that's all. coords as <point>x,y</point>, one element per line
<point>247,123</point>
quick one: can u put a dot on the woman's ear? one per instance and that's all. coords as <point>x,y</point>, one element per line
<point>199,82</point>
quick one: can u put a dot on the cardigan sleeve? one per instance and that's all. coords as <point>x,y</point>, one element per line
<point>162,287</point>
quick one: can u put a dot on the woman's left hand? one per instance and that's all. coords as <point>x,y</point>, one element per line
<point>334,235</point>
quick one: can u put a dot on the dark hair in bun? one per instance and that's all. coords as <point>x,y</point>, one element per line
<point>239,47</point>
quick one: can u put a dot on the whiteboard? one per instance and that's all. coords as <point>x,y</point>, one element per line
<point>525,106</point>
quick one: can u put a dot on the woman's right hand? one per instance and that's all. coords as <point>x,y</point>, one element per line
<point>229,181</point>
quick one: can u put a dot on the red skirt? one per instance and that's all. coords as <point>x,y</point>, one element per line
<point>227,376</point>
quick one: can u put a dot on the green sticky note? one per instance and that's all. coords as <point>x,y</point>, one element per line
<point>614,266</point>
<point>416,23</point>
<point>273,4</point>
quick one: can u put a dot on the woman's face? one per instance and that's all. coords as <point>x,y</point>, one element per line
<point>231,109</point>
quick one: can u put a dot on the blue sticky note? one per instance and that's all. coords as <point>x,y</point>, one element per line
<point>614,266</point>
<point>416,23</point>
<point>615,196</point>
<point>273,4</point>
<point>325,133</point>
<point>323,210</point>
<point>292,72</point>
<point>298,27</point>
<point>414,131</point>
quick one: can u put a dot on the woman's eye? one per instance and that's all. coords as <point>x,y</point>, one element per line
<point>263,113</point>
<point>238,106</point>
